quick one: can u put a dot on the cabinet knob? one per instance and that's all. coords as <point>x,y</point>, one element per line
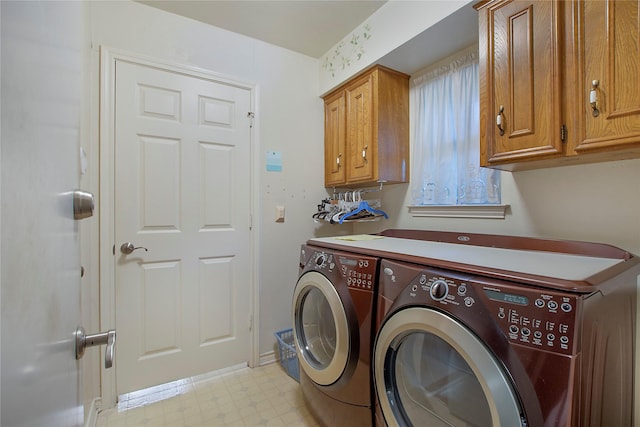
<point>593,98</point>
<point>338,159</point>
<point>499,120</point>
<point>364,152</point>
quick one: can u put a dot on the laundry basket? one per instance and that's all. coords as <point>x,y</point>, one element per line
<point>288,357</point>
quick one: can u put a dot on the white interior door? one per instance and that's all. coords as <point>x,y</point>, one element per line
<point>182,192</point>
<point>42,78</point>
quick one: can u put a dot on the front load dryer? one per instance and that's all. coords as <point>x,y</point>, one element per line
<point>478,330</point>
<point>333,315</point>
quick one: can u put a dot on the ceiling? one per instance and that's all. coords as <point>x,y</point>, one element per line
<point>311,27</point>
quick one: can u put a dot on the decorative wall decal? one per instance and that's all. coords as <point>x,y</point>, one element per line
<point>344,54</point>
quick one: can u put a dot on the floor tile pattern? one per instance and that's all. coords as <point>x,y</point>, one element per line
<point>248,397</point>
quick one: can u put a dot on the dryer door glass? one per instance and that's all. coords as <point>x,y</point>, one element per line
<point>435,385</point>
<point>431,370</point>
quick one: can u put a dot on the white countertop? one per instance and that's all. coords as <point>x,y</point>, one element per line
<point>548,264</point>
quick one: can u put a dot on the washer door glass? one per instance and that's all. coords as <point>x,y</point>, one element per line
<point>431,370</point>
<point>320,329</point>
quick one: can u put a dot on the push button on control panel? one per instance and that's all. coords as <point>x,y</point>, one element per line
<point>544,320</point>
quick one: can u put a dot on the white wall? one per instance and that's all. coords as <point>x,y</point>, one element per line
<point>595,202</point>
<point>395,23</point>
<point>289,119</point>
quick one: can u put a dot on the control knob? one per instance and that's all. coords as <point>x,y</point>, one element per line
<point>321,260</point>
<point>439,290</point>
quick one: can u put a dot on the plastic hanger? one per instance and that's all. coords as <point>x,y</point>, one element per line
<point>363,206</point>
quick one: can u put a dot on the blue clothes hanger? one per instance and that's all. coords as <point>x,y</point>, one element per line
<point>363,206</point>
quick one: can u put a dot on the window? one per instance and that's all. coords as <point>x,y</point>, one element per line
<point>446,138</point>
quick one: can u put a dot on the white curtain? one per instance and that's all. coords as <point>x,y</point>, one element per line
<point>446,137</point>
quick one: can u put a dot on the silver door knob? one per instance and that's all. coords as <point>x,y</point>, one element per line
<point>128,248</point>
<point>103,338</point>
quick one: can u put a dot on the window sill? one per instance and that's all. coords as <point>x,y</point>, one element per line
<point>461,211</point>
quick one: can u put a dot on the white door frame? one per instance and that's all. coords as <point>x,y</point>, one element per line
<point>108,58</point>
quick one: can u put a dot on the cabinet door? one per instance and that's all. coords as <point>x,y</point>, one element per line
<point>334,141</point>
<point>610,34</point>
<point>520,81</point>
<point>360,130</point>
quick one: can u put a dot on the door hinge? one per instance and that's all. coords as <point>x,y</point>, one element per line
<point>563,133</point>
<point>250,322</point>
<point>251,115</point>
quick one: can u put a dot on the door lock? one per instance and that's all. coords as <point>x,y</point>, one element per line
<point>83,204</point>
<point>103,338</point>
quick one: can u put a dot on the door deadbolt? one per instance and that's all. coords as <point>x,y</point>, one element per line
<point>83,204</point>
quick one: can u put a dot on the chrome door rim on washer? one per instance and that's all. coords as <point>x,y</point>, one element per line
<point>332,372</point>
<point>503,404</point>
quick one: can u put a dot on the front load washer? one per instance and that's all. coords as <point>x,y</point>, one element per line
<point>477,330</point>
<point>333,319</point>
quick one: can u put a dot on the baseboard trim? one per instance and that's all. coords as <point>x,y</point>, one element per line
<point>267,358</point>
<point>92,418</point>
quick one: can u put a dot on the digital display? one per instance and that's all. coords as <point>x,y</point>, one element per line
<point>349,262</point>
<point>513,299</point>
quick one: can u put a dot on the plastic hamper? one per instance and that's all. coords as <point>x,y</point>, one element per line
<point>288,357</point>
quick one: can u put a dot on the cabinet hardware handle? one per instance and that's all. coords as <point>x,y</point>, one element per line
<point>499,120</point>
<point>338,159</point>
<point>593,98</point>
<point>364,152</point>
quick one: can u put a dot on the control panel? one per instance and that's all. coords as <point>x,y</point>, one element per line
<point>533,317</point>
<point>359,272</point>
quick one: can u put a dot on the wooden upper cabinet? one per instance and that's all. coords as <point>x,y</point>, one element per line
<point>367,130</point>
<point>334,140</point>
<point>608,51</point>
<point>520,81</point>
<point>566,74</point>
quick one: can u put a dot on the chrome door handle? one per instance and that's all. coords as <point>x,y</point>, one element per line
<point>103,338</point>
<point>128,248</point>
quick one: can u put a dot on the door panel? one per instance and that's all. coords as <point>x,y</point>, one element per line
<point>335,157</point>
<point>360,130</point>
<point>610,34</point>
<point>43,52</point>
<point>182,188</point>
<point>522,82</point>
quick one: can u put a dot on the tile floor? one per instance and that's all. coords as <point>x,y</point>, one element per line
<point>247,397</point>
